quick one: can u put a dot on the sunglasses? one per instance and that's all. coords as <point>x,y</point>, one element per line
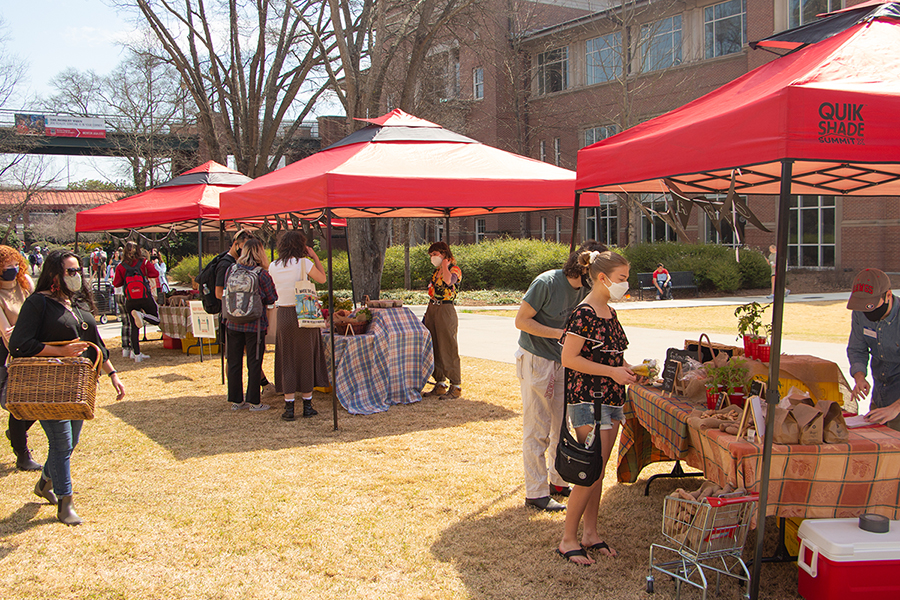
<point>74,272</point>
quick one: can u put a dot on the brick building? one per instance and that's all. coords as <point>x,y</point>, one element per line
<point>547,78</point>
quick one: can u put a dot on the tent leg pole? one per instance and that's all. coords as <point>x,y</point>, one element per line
<point>221,236</point>
<point>334,402</point>
<point>781,235</point>
<point>447,226</point>
<point>575,222</point>
<point>76,244</point>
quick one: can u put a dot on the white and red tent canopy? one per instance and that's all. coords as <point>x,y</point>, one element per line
<point>831,107</point>
<point>180,203</point>
<point>403,166</point>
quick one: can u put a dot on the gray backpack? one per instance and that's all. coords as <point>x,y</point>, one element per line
<point>242,301</point>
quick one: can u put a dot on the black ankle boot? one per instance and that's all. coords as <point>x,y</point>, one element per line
<point>18,439</point>
<point>288,414</point>
<point>308,410</point>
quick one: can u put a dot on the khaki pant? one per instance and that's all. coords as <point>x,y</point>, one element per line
<point>541,420</point>
<point>442,322</point>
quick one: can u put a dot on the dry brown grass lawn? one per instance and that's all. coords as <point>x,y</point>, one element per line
<point>182,498</point>
<point>807,321</point>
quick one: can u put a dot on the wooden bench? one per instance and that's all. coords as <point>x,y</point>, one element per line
<point>681,280</point>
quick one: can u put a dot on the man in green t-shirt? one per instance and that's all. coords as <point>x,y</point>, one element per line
<point>542,317</point>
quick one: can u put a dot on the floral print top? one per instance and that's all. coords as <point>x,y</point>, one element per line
<point>609,338</point>
<point>438,289</point>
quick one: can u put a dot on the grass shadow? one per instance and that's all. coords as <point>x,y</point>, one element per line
<point>196,426</point>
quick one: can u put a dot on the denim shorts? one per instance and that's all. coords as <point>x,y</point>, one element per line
<point>580,414</point>
<point>608,414</point>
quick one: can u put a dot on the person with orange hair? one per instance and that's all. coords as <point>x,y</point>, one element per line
<point>15,287</point>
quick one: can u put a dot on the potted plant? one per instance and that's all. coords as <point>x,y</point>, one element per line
<point>733,378</point>
<point>751,326</point>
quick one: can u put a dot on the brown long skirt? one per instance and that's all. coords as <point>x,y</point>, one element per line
<point>299,355</point>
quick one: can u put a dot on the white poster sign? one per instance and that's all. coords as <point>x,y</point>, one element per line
<point>203,324</point>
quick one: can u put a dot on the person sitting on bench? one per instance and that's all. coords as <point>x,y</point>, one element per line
<point>662,281</point>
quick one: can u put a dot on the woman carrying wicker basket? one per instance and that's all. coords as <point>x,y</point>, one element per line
<point>299,355</point>
<point>15,286</point>
<point>60,310</point>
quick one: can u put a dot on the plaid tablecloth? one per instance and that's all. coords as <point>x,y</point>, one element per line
<point>175,321</point>
<point>655,430</point>
<point>823,481</point>
<point>388,365</point>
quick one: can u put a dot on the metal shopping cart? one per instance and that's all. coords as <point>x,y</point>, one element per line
<point>104,299</point>
<point>708,538</point>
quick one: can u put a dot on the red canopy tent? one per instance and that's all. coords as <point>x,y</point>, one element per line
<point>821,120</point>
<point>403,166</point>
<point>185,202</point>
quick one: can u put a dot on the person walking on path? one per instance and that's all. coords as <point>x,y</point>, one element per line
<point>875,337</point>
<point>299,354</point>
<point>442,322</point>
<point>60,310</point>
<point>243,335</point>
<point>134,274</point>
<point>771,260</point>
<point>593,355</point>
<point>541,317</point>
<point>15,287</point>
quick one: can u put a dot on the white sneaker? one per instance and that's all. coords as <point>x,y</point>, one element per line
<point>138,319</point>
<point>259,407</point>
<point>139,357</point>
<point>126,352</point>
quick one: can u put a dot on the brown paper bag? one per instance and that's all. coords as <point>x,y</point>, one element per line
<point>811,420</point>
<point>785,430</point>
<point>834,428</point>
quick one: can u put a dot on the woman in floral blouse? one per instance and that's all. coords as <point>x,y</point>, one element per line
<point>596,375</point>
<point>441,320</point>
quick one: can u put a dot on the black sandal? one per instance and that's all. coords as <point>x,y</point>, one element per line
<point>576,552</point>
<point>602,546</point>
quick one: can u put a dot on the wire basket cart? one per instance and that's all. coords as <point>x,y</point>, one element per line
<point>707,537</point>
<point>104,299</point>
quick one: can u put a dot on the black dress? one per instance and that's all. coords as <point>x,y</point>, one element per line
<point>43,319</point>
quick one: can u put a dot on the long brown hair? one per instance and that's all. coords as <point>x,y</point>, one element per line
<point>291,244</point>
<point>132,253</point>
<point>253,254</point>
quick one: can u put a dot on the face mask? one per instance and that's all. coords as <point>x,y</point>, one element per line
<point>878,313</point>
<point>617,290</point>
<point>10,273</point>
<point>73,282</point>
<point>586,281</point>
<point>437,260</point>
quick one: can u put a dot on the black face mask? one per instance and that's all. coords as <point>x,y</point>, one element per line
<point>586,281</point>
<point>878,313</point>
<point>9,274</point>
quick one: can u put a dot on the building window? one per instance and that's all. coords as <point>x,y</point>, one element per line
<point>478,83</point>
<point>661,44</point>
<point>602,223</point>
<point>441,82</point>
<point>802,12</point>
<point>438,229</point>
<point>543,148</point>
<point>655,229</point>
<point>811,235</point>
<point>595,134</point>
<point>558,228</point>
<point>726,27</point>
<point>726,237</point>
<point>543,228</point>
<point>557,154</point>
<point>603,58</point>
<point>553,71</point>
<point>480,230</point>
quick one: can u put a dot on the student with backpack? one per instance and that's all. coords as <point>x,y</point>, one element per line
<point>134,274</point>
<point>248,289</point>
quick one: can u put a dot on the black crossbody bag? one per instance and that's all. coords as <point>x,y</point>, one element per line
<point>575,463</point>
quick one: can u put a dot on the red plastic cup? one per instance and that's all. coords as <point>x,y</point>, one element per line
<point>712,398</point>
<point>737,399</point>
<point>764,352</point>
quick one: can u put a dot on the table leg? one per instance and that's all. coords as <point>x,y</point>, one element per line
<point>781,553</point>
<point>677,471</point>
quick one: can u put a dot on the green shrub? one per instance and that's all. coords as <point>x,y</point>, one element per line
<point>188,267</point>
<point>714,266</point>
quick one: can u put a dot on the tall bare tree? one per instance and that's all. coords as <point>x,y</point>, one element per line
<point>248,68</point>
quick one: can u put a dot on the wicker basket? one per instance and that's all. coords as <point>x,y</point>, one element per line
<point>350,327</point>
<point>53,388</point>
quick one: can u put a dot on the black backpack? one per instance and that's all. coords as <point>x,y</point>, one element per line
<point>207,283</point>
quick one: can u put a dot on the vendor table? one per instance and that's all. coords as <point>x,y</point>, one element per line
<point>821,481</point>
<point>388,365</point>
<point>175,321</point>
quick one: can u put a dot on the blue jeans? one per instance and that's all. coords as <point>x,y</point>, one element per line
<point>63,437</point>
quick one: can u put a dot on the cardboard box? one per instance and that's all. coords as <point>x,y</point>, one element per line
<point>838,560</point>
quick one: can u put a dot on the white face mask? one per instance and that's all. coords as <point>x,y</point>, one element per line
<point>437,260</point>
<point>73,282</point>
<point>617,290</point>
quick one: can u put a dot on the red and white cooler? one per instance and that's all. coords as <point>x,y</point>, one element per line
<point>840,561</point>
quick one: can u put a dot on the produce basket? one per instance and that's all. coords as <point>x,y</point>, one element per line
<point>706,349</point>
<point>53,388</point>
<point>350,327</point>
